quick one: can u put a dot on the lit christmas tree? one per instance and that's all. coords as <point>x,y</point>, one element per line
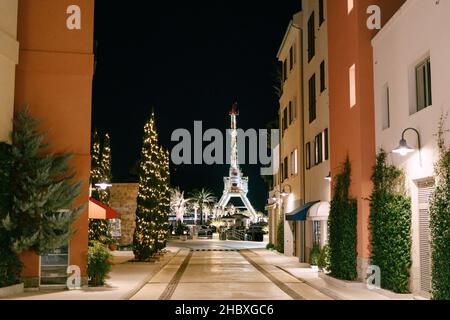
<point>98,228</point>
<point>148,214</point>
<point>164,202</point>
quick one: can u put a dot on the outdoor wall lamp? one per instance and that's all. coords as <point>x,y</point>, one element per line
<point>283,193</point>
<point>404,149</point>
<point>103,185</point>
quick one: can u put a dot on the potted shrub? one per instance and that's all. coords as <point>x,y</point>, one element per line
<point>99,264</point>
<point>314,255</point>
<point>324,259</point>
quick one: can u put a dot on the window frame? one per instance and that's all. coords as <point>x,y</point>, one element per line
<point>308,155</point>
<point>425,67</point>
<point>311,37</point>
<point>312,97</point>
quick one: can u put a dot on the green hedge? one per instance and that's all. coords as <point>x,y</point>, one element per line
<point>280,236</point>
<point>390,223</point>
<point>440,222</point>
<point>342,228</point>
<point>10,265</point>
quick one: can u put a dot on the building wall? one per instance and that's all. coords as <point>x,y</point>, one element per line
<point>9,56</point>
<point>124,201</point>
<point>54,77</point>
<point>419,29</point>
<point>292,136</point>
<point>352,129</point>
<point>316,187</point>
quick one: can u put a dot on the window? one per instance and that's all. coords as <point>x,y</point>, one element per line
<point>326,145</point>
<point>311,38</point>
<point>294,163</point>
<point>321,12</point>
<point>349,6</point>
<point>291,58</point>
<point>285,120</point>
<point>385,103</point>
<point>352,83</point>
<point>308,156</point>
<point>291,113</point>
<point>284,71</point>
<point>318,149</point>
<point>316,232</point>
<point>282,173</point>
<point>285,169</point>
<point>322,77</point>
<point>423,85</point>
<point>312,98</point>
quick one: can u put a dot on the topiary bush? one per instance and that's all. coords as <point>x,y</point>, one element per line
<point>342,227</point>
<point>440,221</point>
<point>10,265</point>
<point>324,258</point>
<point>390,224</point>
<point>314,255</point>
<point>280,237</point>
<point>99,263</point>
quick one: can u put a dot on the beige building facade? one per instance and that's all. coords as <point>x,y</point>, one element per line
<point>9,57</point>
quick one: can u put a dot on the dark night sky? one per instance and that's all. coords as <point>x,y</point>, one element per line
<point>190,60</point>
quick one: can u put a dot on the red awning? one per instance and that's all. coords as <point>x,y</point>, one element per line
<point>98,210</point>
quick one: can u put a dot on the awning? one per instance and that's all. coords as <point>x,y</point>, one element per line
<point>98,210</point>
<point>319,212</point>
<point>300,213</point>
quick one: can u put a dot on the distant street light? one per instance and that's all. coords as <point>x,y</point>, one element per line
<point>103,185</point>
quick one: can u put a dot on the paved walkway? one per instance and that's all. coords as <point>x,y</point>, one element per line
<point>212,270</point>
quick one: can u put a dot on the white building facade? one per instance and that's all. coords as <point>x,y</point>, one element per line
<point>9,57</point>
<point>412,90</point>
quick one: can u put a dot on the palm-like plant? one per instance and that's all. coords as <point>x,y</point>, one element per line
<point>203,198</point>
<point>178,203</point>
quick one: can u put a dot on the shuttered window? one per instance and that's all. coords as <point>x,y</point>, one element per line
<point>426,190</point>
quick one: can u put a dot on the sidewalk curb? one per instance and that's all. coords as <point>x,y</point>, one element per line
<point>140,285</point>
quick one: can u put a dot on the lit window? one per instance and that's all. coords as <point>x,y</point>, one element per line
<point>423,85</point>
<point>349,6</point>
<point>316,232</point>
<point>352,82</point>
<point>294,164</point>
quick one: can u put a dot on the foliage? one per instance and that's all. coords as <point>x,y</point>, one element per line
<point>181,229</point>
<point>280,236</point>
<point>440,220</point>
<point>153,202</point>
<point>41,216</point>
<point>99,263</point>
<point>270,246</point>
<point>342,227</point>
<point>100,173</point>
<point>178,203</point>
<point>323,261</point>
<point>202,199</point>
<point>390,223</point>
<point>10,265</point>
<point>314,254</point>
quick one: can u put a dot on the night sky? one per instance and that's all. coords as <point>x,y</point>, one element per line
<point>189,60</point>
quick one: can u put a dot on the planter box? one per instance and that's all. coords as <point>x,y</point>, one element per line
<point>11,291</point>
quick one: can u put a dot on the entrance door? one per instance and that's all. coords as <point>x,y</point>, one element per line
<point>426,190</point>
<point>54,267</point>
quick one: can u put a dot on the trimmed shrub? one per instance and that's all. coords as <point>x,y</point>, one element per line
<point>314,255</point>
<point>99,263</point>
<point>342,228</point>
<point>390,223</point>
<point>270,246</point>
<point>324,258</point>
<point>440,221</point>
<point>10,265</point>
<point>280,236</point>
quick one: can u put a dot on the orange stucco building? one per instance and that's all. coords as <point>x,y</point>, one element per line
<point>54,78</point>
<point>352,131</point>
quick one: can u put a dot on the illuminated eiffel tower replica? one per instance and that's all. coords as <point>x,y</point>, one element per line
<point>235,185</point>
